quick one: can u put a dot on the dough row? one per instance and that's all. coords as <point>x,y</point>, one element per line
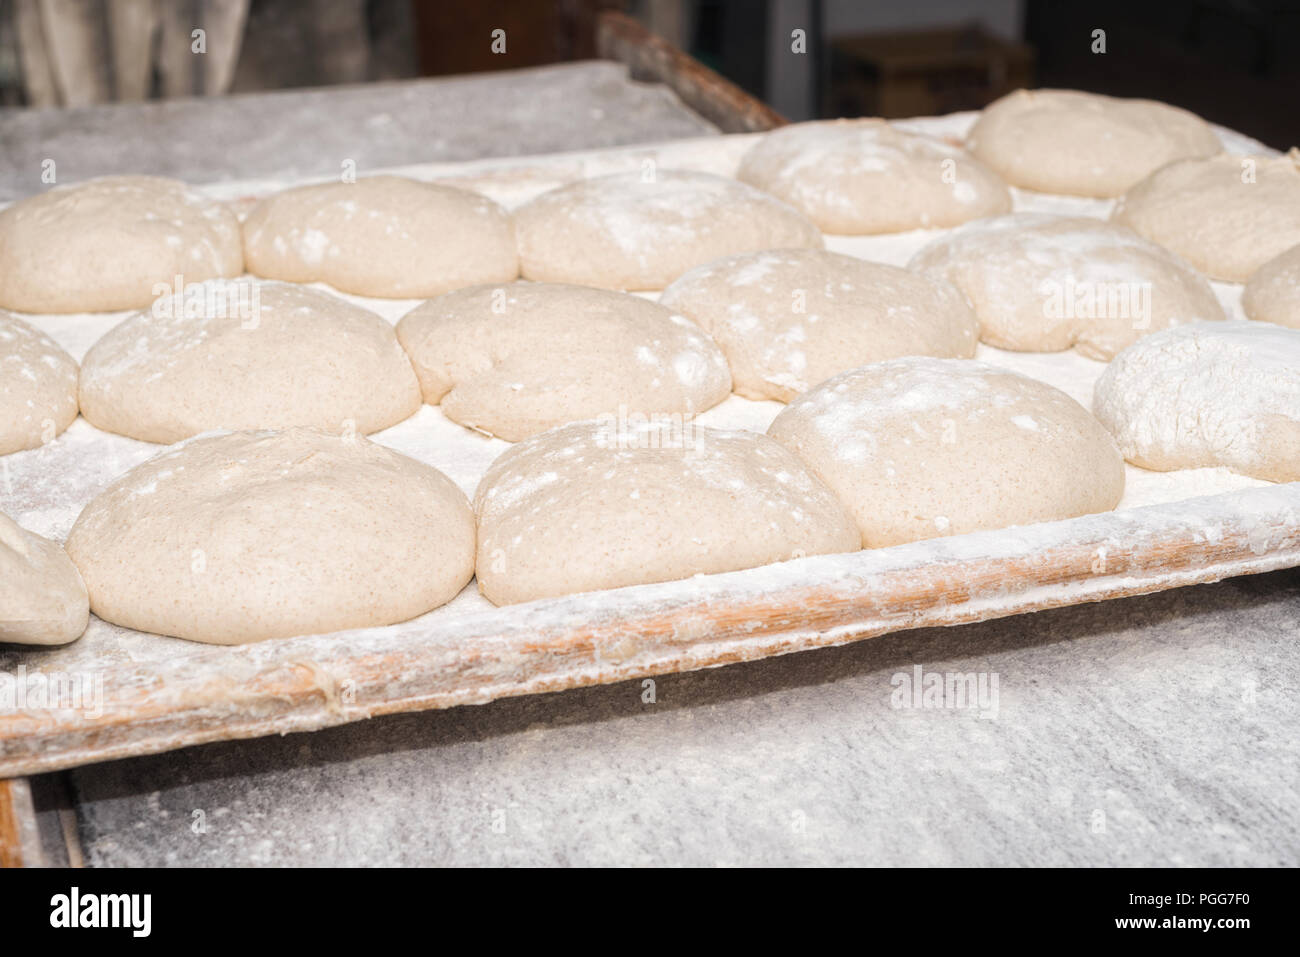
<point>514,359</point>
<point>116,243</point>
<point>240,536</point>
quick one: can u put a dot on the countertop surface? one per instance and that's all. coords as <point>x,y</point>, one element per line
<point>311,132</point>
<point>1159,730</point>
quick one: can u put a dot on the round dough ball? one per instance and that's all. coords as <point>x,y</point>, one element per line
<point>383,236</point>
<point>921,447</point>
<point>1211,394</point>
<point>1202,210</point>
<point>38,386</point>
<point>110,243</point>
<point>1084,144</point>
<point>244,354</point>
<point>1044,283</point>
<point>251,535</point>
<point>619,502</point>
<point>790,318</point>
<point>625,231</point>
<point>856,177</point>
<point>42,598</point>
<point>1272,294</point>
<point>519,359</point>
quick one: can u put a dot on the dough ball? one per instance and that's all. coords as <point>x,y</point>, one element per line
<point>382,236</point>
<point>790,318</point>
<point>522,358</point>
<point>1084,144</point>
<point>243,354</point>
<point>1211,394</point>
<point>855,177</point>
<point>1044,283</point>
<point>38,386</point>
<point>42,599</point>
<point>610,503</point>
<point>624,232</point>
<point>1272,294</point>
<point>921,447</point>
<point>107,244</point>
<point>251,535</point>
<point>1204,211</point>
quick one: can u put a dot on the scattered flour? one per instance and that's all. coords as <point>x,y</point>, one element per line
<point>45,489</point>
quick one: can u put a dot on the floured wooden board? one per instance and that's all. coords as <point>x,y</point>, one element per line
<point>132,693</point>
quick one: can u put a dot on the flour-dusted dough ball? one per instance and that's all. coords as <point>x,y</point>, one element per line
<point>245,354</point>
<point>1084,144</point>
<point>1044,283</point>
<point>42,598</point>
<point>107,244</point>
<point>921,447</point>
<point>519,359</point>
<point>610,503</point>
<point>383,236</point>
<point>1211,394</point>
<point>1272,294</point>
<point>250,535</point>
<point>790,318</point>
<point>857,177</point>
<point>38,386</point>
<point>639,231</point>
<point>1227,216</point>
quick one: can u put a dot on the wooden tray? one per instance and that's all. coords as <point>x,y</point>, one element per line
<point>158,693</point>
<point>301,684</point>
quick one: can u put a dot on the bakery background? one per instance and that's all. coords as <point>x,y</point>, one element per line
<point>1231,61</point>
<point>552,768</point>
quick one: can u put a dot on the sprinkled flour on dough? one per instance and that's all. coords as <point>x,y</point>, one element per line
<point>1208,394</point>
<point>45,489</point>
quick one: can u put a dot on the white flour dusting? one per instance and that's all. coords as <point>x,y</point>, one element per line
<point>45,489</point>
<point>1202,392</point>
<point>31,365</point>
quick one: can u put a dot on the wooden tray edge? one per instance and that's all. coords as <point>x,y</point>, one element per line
<point>835,600</point>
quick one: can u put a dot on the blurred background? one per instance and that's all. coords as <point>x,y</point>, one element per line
<point>1235,62</point>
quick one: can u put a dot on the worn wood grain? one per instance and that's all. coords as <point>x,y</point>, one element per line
<point>652,58</point>
<point>19,836</point>
<point>11,854</point>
